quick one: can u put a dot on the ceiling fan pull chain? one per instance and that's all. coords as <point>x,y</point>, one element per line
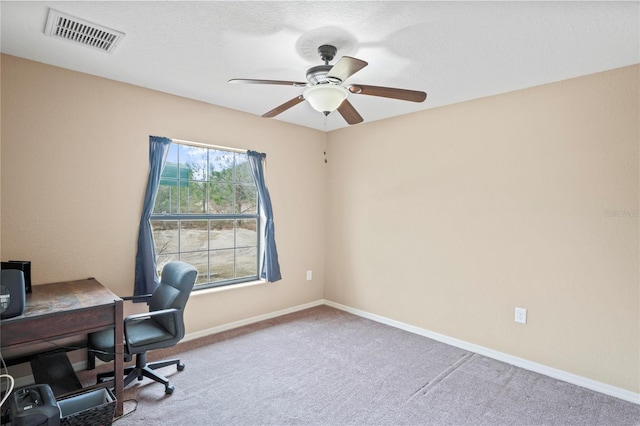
<point>325,140</point>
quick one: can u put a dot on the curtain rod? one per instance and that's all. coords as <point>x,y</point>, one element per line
<point>204,145</point>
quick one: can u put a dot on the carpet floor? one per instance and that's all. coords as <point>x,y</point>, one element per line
<point>323,366</point>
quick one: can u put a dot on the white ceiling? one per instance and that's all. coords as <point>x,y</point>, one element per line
<point>454,51</point>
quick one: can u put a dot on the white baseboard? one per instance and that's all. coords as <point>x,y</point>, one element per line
<point>252,320</point>
<point>500,356</point>
<point>23,381</point>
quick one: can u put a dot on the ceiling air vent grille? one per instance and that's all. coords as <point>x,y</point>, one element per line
<point>61,25</point>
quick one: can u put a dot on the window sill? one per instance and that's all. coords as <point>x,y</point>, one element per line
<point>227,287</point>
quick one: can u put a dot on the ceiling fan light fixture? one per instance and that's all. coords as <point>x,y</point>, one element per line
<point>325,98</point>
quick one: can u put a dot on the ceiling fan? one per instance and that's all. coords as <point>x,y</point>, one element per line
<point>324,89</point>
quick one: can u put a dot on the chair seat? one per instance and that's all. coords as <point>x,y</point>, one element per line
<point>147,333</point>
<point>142,334</point>
<point>102,341</point>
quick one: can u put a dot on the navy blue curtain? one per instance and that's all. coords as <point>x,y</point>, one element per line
<point>270,266</point>
<point>146,278</point>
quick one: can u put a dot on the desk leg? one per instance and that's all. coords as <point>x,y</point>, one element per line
<point>118,363</point>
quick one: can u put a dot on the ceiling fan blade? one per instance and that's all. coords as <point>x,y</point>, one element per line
<point>278,82</point>
<point>345,68</point>
<point>285,106</point>
<point>388,92</point>
<point>349,113</point>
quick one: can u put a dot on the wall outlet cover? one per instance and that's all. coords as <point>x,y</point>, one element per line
<point>521,315</point>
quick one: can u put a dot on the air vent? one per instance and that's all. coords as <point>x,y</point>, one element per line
<point>61,25</point>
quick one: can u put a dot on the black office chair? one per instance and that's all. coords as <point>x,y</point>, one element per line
<point>161,327</point>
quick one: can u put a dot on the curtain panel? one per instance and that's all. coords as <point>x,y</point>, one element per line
<point>270,266</point>
<point>146,278</point>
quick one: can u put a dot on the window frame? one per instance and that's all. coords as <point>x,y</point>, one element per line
<point>180,217</point>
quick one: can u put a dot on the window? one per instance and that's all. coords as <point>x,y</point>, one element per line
<point>207,214</point>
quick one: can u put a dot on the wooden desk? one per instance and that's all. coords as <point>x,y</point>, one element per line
<point>66,309</point>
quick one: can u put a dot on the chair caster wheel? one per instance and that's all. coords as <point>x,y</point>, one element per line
<point>169,389</point>
<point>180,367</point>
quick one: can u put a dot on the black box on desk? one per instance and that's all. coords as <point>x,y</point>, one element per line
<point>25,267</point>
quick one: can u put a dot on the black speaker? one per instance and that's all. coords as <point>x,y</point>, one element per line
<point>21,265</point>
<point>12,293</point>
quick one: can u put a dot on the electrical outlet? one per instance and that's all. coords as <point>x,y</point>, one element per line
<point>309,275</point>
<point>521,315</point>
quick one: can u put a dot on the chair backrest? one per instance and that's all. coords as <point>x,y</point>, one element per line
<point>176,283</point>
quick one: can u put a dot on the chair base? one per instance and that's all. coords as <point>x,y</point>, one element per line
<point>143,369</point>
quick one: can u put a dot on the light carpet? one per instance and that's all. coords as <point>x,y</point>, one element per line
<point>323,366</point>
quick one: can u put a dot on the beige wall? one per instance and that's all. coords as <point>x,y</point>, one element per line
<point>74,171</point>
<point>450,218</point>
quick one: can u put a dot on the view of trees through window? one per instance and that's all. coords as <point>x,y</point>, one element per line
<point>207,214</point>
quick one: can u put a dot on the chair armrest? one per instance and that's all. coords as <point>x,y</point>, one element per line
<point>152,314</point>
<point>140,298</point>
